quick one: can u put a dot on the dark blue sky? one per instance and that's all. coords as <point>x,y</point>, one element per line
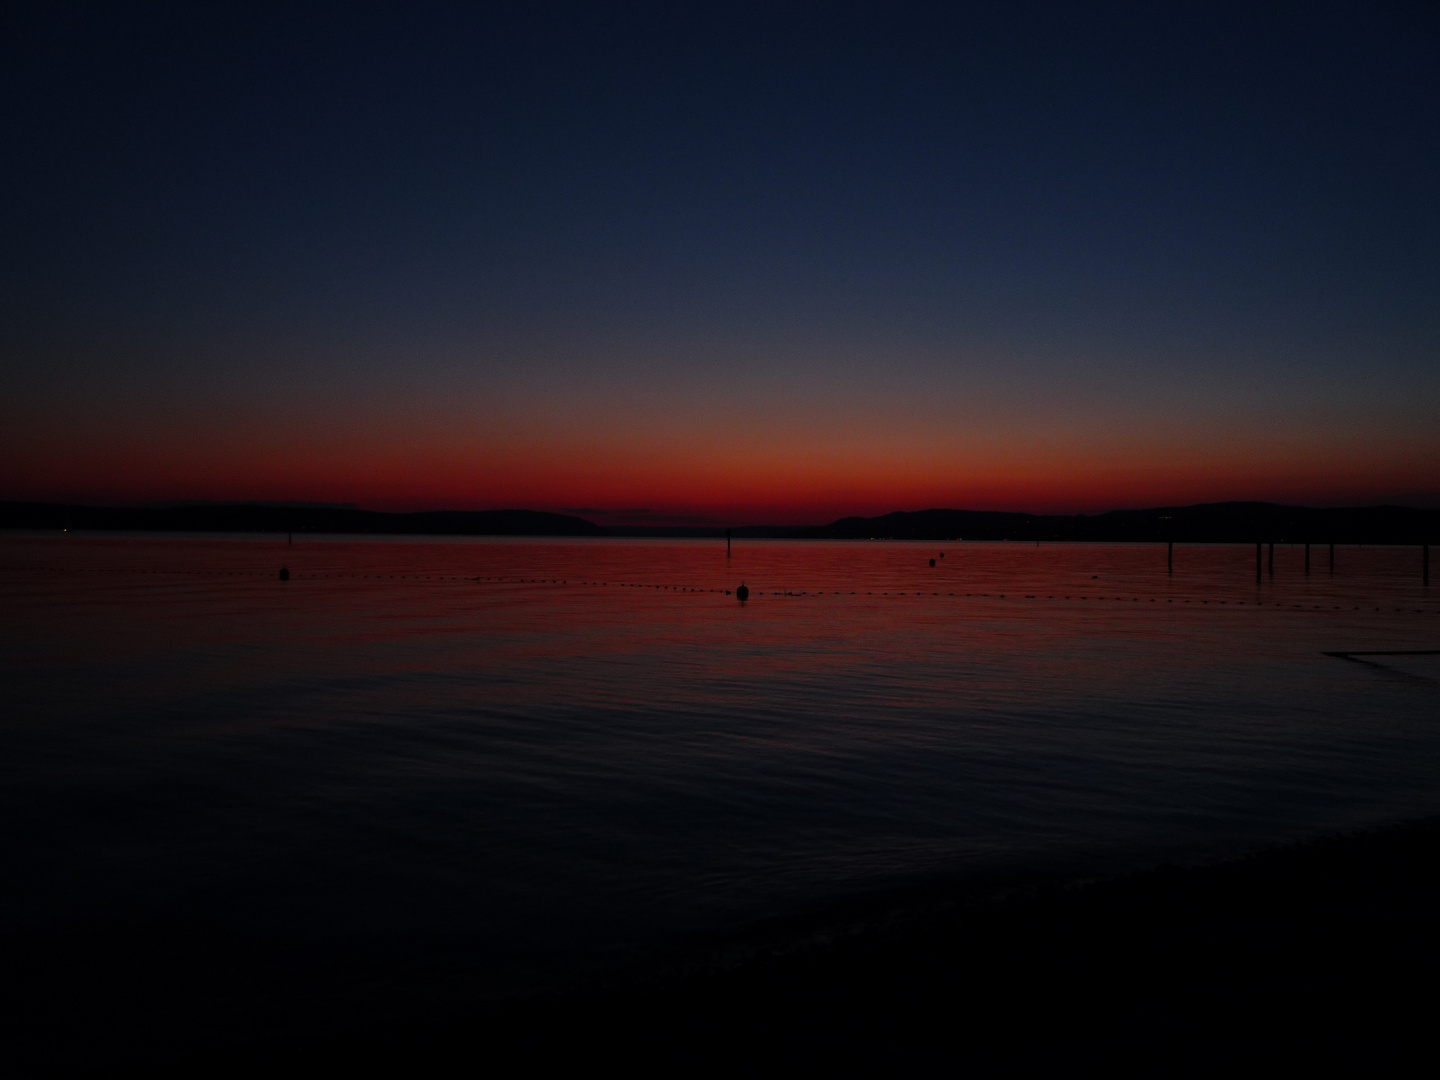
<point>749,261</point>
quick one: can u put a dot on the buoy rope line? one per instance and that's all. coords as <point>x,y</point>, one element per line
<point>773,593</point>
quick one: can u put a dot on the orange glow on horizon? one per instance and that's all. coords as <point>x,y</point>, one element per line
<point>749,487</point>
<point>767,464</point>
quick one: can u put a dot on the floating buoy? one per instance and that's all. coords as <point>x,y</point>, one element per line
<point>284,573</point>
<point>932,562</point>
<point>742,593</point>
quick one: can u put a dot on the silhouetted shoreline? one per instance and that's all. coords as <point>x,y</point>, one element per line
<point>286,518</point>
<point>1229,522</point>
<point>1318,952</point>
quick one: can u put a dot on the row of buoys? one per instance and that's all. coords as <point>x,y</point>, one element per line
<point>742,592</point>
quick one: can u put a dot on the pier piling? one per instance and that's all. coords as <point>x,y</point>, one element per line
<point>1169,556</point>
<point>1307,558</point>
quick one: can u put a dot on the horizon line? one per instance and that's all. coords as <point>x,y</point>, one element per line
<point>652,519</point>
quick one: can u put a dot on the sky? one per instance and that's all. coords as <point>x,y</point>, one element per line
<point>720,263</point>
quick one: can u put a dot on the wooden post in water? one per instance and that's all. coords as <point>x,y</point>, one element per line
<point>727,543</point>
<point>1257,562</point>
<point>1425,563</point>
<point>1307,558</point>
<point>1169,556</point>
<point>1332,556</point>
<point>1270,565</point>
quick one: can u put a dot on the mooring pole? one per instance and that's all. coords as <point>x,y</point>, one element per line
<point>1332,556</point>
<point>1257,562</point>
<point>1169,556</point>
<point>1270,564</point>
<point>1307,558</point>
<point>727,543</point>
<point>1425,563</point>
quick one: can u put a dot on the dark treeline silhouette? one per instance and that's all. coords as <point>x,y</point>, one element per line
<point>279,517</point>
<point>1229,522</point>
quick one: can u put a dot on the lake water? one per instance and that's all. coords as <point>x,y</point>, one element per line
<point>426,772</point>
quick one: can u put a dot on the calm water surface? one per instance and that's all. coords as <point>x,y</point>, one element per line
<point>423,770</point>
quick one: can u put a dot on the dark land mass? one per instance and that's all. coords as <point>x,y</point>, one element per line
<point>1319,954</point>
<point>1231,522</point>
<point>294,517</point>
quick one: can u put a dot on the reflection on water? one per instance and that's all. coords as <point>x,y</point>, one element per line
<point>489,763</point>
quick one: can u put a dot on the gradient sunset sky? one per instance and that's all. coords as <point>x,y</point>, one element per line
<point>731,264</point>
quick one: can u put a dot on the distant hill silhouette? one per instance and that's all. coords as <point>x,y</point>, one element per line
<point>297,517</point>
<point>1228,522</point>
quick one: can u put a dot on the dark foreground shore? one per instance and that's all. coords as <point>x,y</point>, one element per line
<point>1323,953</point>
